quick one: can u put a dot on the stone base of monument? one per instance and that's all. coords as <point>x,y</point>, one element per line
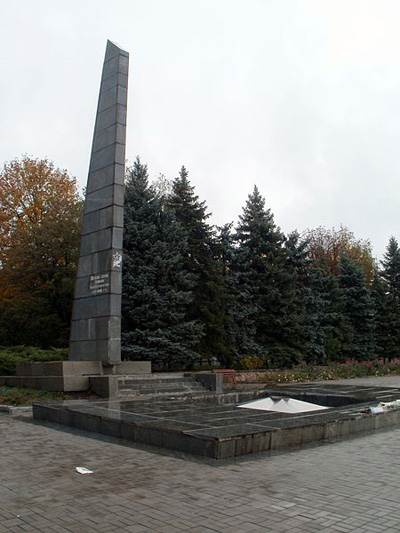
<point>220,426</point>
<point>74,376</point>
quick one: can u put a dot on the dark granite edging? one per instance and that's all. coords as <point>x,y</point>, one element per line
<point>134,431</point>
<point>214,442</point>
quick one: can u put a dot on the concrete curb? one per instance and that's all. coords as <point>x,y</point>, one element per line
<point>14,410</point>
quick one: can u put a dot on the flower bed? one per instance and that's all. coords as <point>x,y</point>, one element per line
<point>303,373</point>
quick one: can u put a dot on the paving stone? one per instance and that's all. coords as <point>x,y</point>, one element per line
<point>344,486</point>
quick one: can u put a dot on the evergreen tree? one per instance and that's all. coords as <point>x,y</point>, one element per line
<point>157,289</point>
<point>326,299</point>
<point>383,323</point>
<point>312,299</point>
<point>267,309</point>
<point>335,323</point>
<point>210,294</point>
<point>245,309</point>
<point>358,328</point>
<point>240,311</point>
<point>387,298</point>
<point>225,247</point>
<point>224,252</point>
<point>391,267</point>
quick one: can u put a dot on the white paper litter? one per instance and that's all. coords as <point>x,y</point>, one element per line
<point>375,410</point>
<point>83,470</point>
<point>385,406</point>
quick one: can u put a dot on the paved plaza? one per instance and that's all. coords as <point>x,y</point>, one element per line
<point>341,486</point>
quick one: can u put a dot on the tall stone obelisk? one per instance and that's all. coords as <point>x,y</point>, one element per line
<point>96,315</point>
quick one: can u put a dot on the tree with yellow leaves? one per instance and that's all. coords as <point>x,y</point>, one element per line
<point>328,245</point>
<point>40,212</point>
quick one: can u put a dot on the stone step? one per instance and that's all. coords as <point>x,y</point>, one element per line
<point>159,375</point>
<point>159,385</point>
<point>155,390</point>
<point>125,393</point>
<point>166,389</point>
<point>133,382</point>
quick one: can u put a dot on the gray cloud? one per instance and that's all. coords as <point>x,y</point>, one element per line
<point>299,97</point>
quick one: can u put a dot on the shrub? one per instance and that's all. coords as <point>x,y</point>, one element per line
<point>250,362</point>
<point>283,357</point>
<point>10,356</point>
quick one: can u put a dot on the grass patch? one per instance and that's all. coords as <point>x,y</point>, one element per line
<point>22,397</point>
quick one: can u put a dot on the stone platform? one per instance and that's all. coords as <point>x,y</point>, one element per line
<point>74,376</point>
<point>213,426</point>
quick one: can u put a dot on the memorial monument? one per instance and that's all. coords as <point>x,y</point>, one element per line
<point>96,315</point>
<point>95,341</point>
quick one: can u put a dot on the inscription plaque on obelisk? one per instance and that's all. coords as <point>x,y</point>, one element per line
<point>96,315</point>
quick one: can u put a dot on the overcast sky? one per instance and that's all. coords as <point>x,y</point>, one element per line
<point>301,97</point>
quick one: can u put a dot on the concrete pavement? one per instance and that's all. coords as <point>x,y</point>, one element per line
<point>343,486</point>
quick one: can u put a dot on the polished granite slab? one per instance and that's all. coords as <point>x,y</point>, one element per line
<point>218,428</point>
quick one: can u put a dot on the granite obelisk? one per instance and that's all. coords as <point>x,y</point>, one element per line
<point>96,315</point>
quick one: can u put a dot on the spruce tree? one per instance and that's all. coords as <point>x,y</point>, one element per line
<point>157,289</point>
<point>244,309</point>
<point>210,293</point>
<point>391,267</point>
<point>336,319</point>
<point>327,301</point>
<point>224,252</point>
<point>265,281</point>
<point>385,334</point>
<point>312,299</point>
<point>387,297</point>
<point>358,329</point>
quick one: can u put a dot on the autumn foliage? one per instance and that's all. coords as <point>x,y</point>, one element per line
<point>32,191</point>
<point>327,245</point>
<point>40,211</point>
